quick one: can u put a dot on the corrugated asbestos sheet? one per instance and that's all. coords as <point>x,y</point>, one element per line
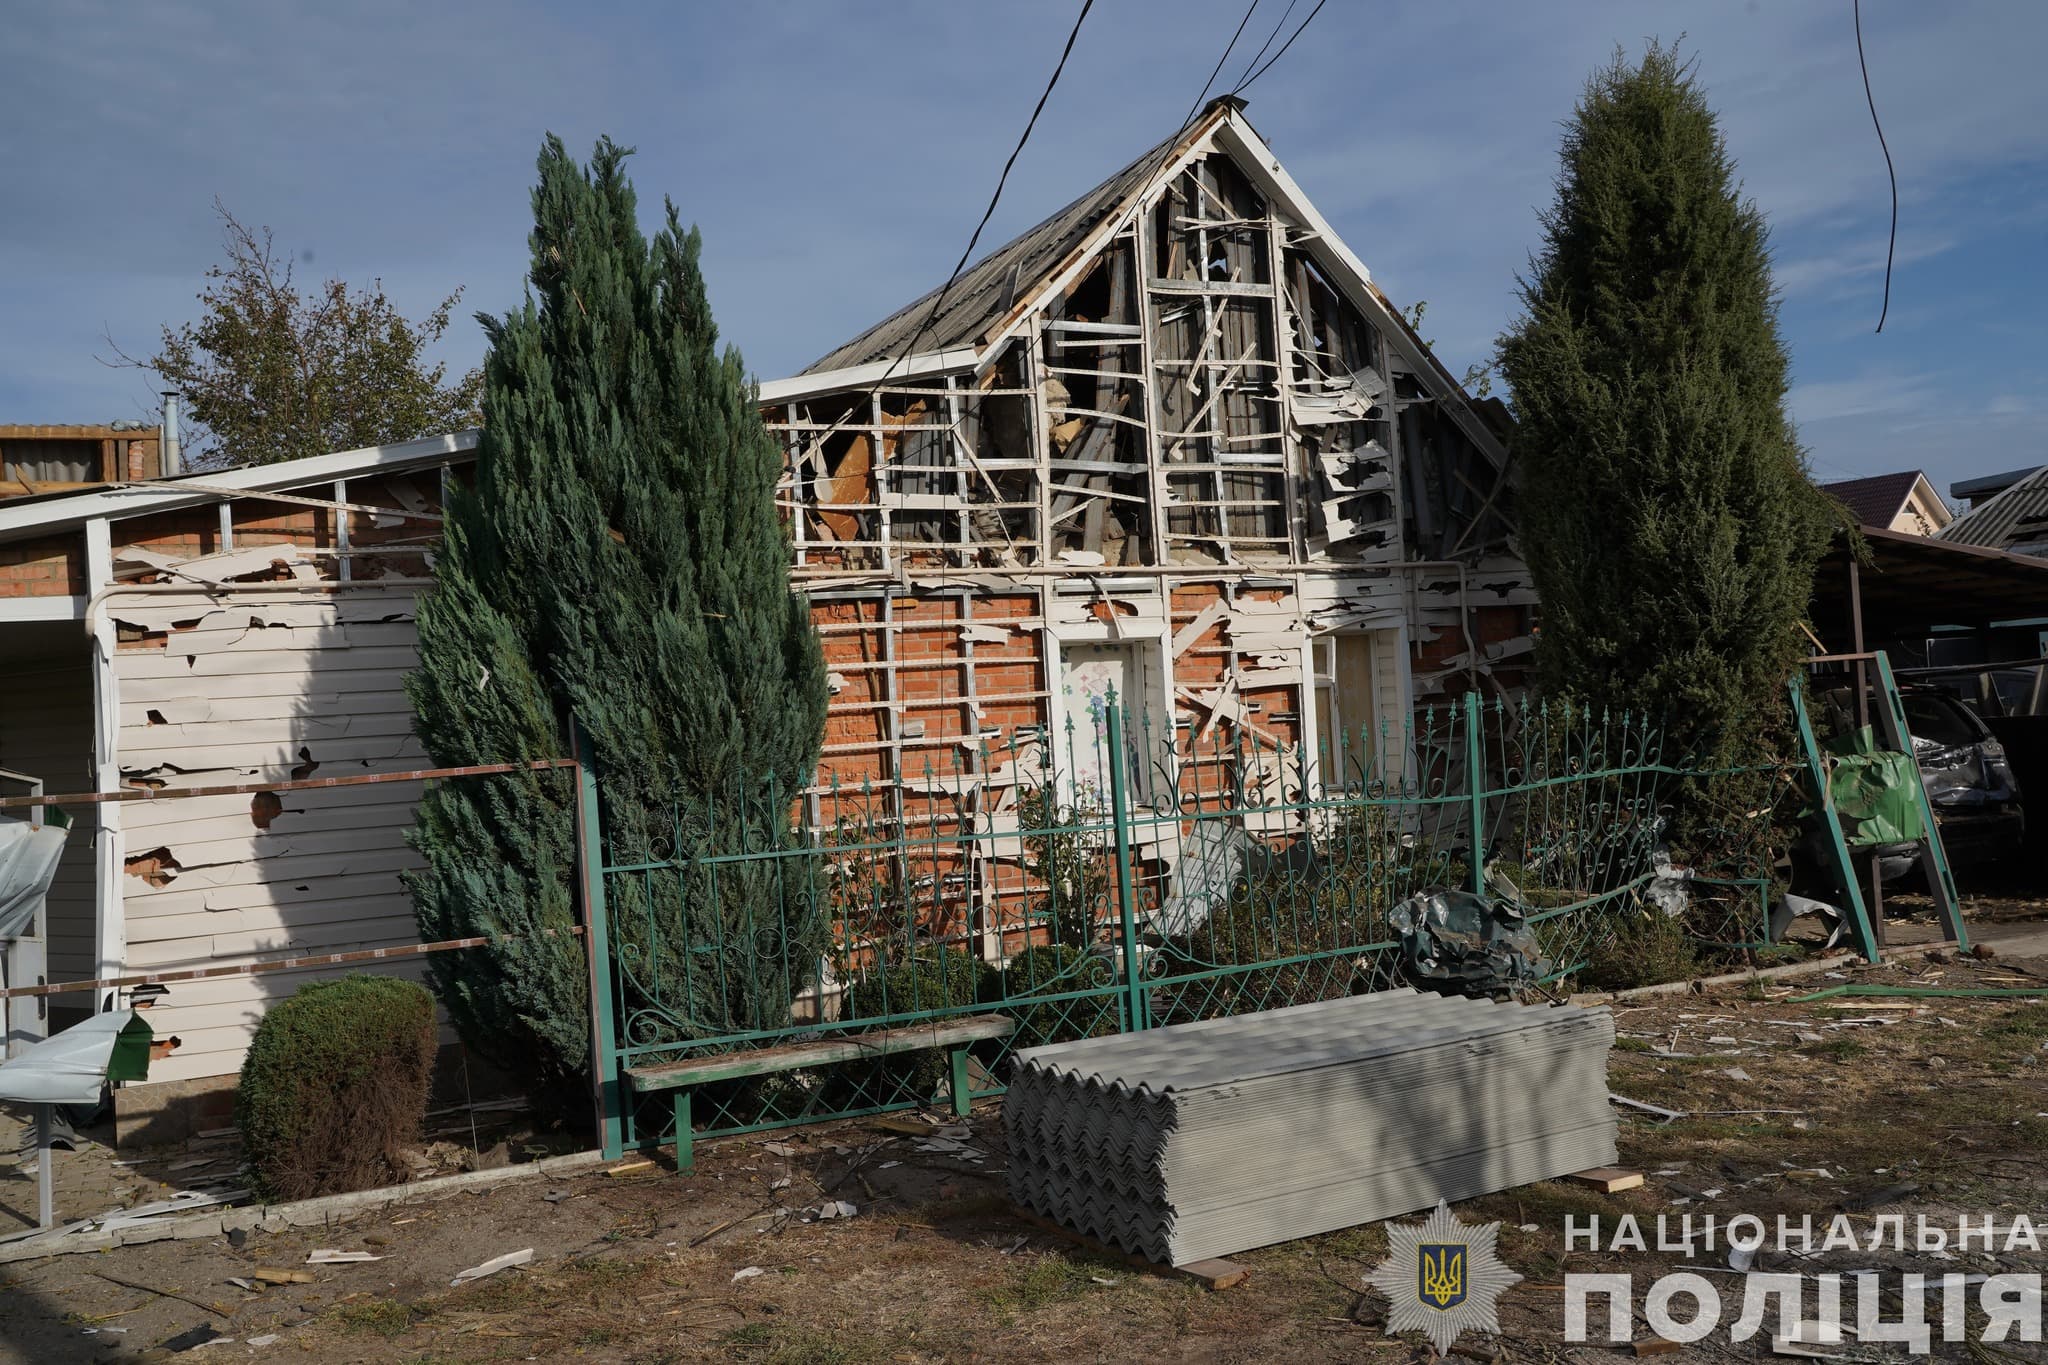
<point>2015,520</point>
<point>1211,1138</point>
<point>983,293</point>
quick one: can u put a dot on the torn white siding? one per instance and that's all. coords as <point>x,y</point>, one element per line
<point>248,688</point>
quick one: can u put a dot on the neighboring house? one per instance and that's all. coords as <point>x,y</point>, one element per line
<point>1905,501</point>
<point>2014,518</point>
<point>63,459</point>
<point>220,629</point>
<point>1173,441</point>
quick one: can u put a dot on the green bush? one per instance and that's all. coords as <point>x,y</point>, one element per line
<point>929,979</point>
<point>1053,968</point>
<point>1647,948</point>
<point>334,1086</point>
<point>932,978</point>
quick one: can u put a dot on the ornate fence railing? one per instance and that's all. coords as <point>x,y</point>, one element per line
<point>1104,879</point>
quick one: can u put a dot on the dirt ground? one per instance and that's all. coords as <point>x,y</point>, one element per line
<point>1930,1106</point>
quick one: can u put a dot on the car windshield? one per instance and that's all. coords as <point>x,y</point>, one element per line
<point>1937,720</point>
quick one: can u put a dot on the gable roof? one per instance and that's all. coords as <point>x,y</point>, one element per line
<point>994,296</point>
<point>1876,500</point>
<point>2016,519</point>
<point>987,289</point>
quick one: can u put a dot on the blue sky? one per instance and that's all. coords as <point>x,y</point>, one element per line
<point>837,155</point>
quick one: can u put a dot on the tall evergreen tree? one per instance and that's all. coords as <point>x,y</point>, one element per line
<point>1665,509</point>
<point>620,564</point>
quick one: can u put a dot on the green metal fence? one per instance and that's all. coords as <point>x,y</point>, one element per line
<point>1103,879</point>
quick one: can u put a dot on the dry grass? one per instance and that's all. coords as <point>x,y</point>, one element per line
<point>1946,1098</point>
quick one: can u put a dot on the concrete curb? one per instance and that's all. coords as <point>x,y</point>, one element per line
<point>331,1208</point>
<point>1790,969</point>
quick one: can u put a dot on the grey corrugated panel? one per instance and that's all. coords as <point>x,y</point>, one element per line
<point>976,298</point>
<point>2015,518</point>
<point>1296,1038</point>
<point>1368,1197</point>
<point>1231,1133</point>
<point>1076,1112</point>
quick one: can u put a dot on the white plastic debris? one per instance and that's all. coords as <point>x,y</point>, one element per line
<point>831,1208</point>
<point>747,1274</point>
<point>329,1256</point>
<point>494,1265</point>
<point>266,1339</point>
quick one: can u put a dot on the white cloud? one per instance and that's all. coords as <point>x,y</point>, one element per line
<point>1867,396</point>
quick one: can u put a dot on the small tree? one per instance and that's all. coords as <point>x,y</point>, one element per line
<point>620,562</point>
<point>1665,509</point>
<point>271,373</point>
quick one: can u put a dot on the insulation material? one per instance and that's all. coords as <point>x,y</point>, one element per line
<point>1211,1138</point>
<point>258,561</point>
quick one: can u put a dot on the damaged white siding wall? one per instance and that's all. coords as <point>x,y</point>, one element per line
<point>261,686</point>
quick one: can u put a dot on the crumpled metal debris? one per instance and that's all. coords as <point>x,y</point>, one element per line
<point>1458,942</point>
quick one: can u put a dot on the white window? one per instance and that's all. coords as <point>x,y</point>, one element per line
<point>1357,719</point>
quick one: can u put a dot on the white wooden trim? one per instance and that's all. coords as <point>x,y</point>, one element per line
<point>14,609</point>
<point>110,924</point>
<point>861,376</point>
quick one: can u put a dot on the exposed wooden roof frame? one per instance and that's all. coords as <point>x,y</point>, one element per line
<point>1221,127</point>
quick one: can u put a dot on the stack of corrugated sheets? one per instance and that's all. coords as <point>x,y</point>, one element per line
<point>1204,1139</point>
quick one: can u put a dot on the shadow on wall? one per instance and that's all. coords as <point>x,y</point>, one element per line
<point>232,682</point>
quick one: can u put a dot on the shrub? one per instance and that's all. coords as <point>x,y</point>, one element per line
<point>1647,948</point>
<point>932,978</point>
<point>929,979</point>
<point>334,1086</point>
<point>1068,853</point>
<point>1050,969</point>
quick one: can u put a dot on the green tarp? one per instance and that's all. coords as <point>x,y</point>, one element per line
<point>1875,791</point>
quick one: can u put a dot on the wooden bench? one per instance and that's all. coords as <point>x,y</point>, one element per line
<point>953,1034</point>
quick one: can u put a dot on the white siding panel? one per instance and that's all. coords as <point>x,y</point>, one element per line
<point>257,688</point>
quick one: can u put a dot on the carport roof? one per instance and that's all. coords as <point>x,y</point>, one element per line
<point>1914,583</point>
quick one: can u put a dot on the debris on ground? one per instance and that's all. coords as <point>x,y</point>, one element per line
<point>523,1256</point>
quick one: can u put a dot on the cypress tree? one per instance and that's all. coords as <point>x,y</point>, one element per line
<point>1664,505</point>
<point>618,563</point>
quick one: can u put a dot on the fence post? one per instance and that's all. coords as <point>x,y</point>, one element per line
<point>597,945</point>
<point>1475,782</point>
<point>1126,899</point>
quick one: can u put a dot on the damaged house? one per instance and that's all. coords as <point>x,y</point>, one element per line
<point>1172,441</point>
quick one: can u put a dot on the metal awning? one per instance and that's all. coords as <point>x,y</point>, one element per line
<point>1914,584</point>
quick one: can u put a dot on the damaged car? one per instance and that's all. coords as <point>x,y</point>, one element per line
<point>1969,783</point>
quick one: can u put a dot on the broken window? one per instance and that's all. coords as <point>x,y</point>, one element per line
<point>1357,704</point>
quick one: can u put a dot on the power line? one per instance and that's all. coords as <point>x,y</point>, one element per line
<point>1217,70</point>
<point>1263,47</point>
<point>1245,84</point>
<point>939,302</point>
<point>1892,242</point>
